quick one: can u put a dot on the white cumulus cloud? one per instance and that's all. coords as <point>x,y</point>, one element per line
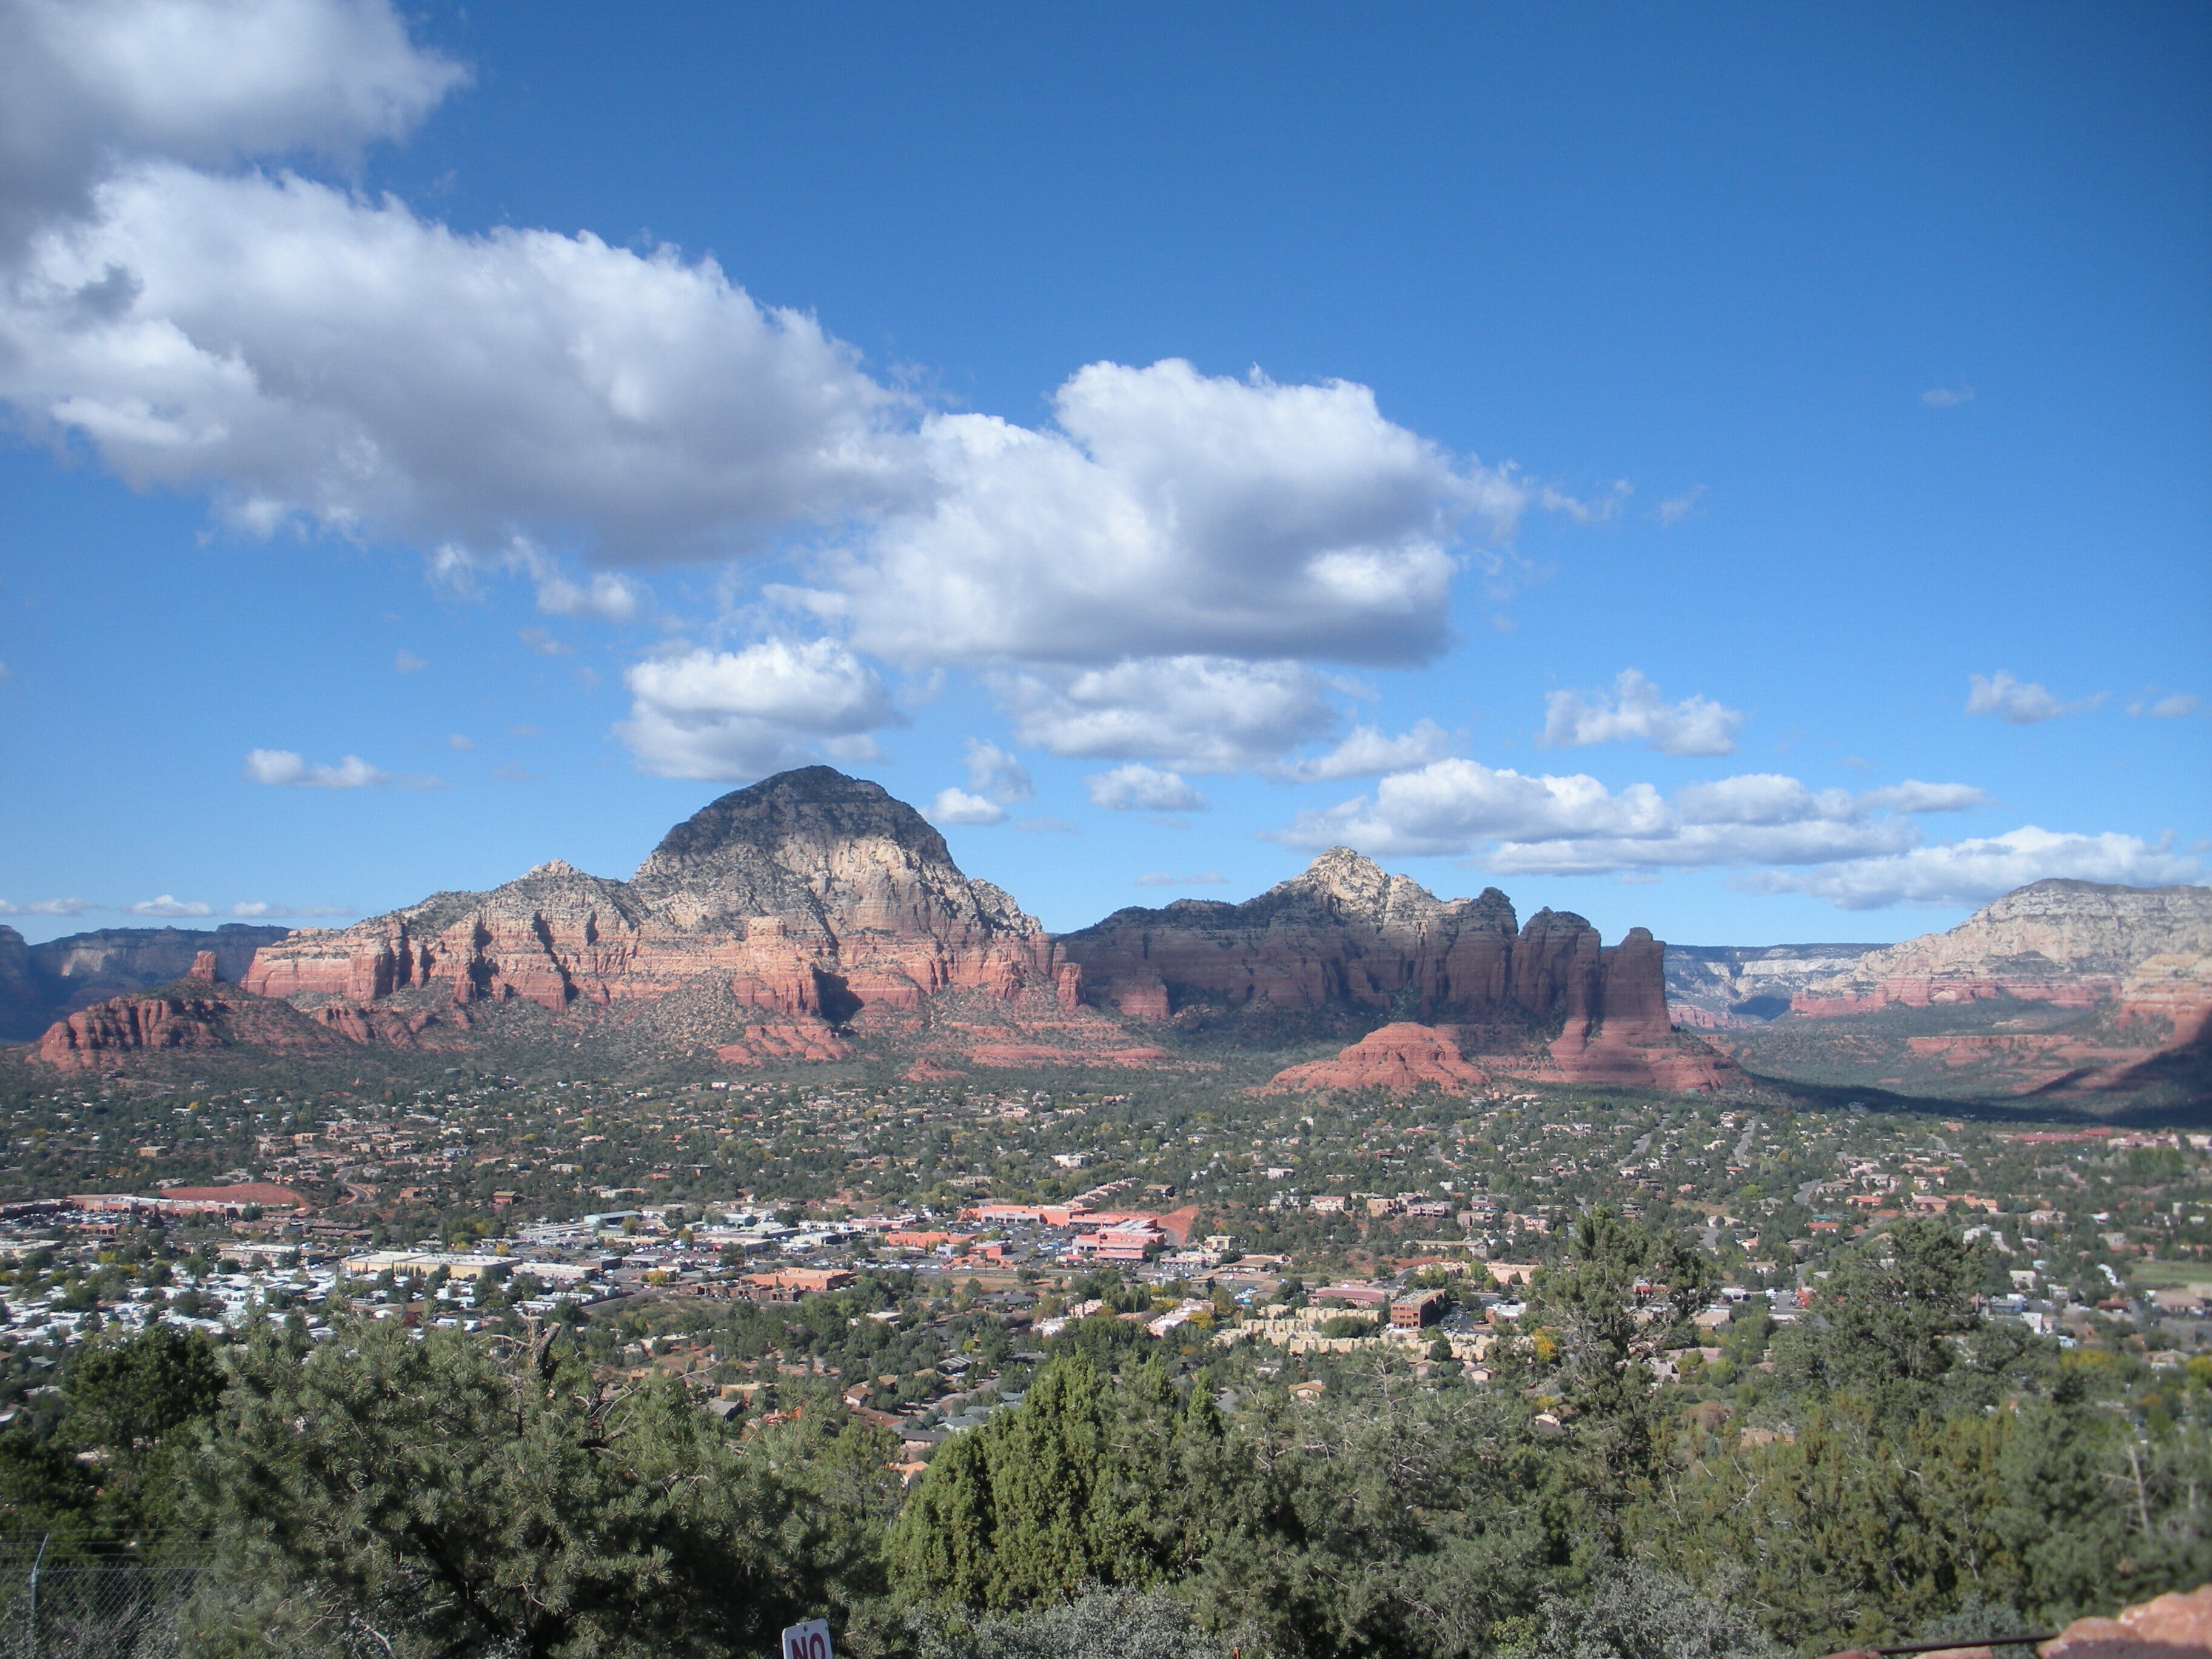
<point>1137,788</point>
<point>1366,752</point>
<point>2173,706</point>
<point>167,905</point>
<point>954,805</point>
<point>305,354</point>
<point>1637,713</point>
<point>741,714</point>
<point>255,909</point>
<point>1975,871</point>
<point>1197,714</point>
<point>83,82</point>
<point>1575,825</point>
<point>1172,514</point>
<point>2022,702</point>
<point>997,775</point>
<point>1148,574</point>
<point>283,767</point>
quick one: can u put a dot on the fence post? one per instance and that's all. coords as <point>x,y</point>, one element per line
<point>37,1562</point>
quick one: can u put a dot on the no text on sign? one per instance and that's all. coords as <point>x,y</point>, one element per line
<point>808,1641</point>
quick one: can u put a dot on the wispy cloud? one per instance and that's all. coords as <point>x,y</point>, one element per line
<point>1161,879</point>
<point>1675,508</point>
<point>283,769</point>
<point>957,806</point>
<point>60,907</point>
<point>2021,703</point>
<point>1946,396</point>
<point>169,905</point>
<point>406,662</point>
<point>1368,753</point>
<point>1695,725</point>
<point>2173,706</point>
<point>1138,787</point>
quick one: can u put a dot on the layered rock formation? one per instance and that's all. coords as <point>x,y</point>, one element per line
<point>1347,934</point>
<point>1343,932</point>
<point>2061,987</point>
<point>816,896</point>
<point>1720,987</point>
<point>2073,943</point>
<point>42,983</point>
<point>191,1015</point>
<point>2171,1627</point>
<point>1399,1058</point>
<point>812,913</point>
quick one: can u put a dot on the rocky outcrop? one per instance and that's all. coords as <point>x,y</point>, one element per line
<point>2171,994</point>
<point>1616,1031</point>
<point>1399,1058</point>
<point>2072,943</point>
<point>2173,1627</point>
<point>810,913</point>
<point>18,987</point>
<point>1345,934</point>
<point>42,983</point>
<point>1720,987</point>
<point>189,1015</point>
<point>816,896</point>
<point>2165,1627</point>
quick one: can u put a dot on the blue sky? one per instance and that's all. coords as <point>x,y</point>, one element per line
<point>1740,471</point>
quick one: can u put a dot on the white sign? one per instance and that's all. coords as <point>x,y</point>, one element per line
<point>808,1641</point>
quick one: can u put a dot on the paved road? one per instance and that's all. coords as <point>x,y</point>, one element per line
<point>1805,1193</point>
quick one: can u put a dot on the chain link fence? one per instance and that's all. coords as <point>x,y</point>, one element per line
<point>59,1603</point>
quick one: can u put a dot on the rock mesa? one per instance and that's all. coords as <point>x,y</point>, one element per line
<point>1400,1058</point>
<point>2073,943</point>
<point>1348,935</point>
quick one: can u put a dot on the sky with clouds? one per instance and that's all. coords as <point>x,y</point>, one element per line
<point>1742,471</point>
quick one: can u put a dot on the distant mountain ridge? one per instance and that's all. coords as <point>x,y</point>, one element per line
<point>816,894</point>
<point>2060,989</point>
<point>813,911</point>
<point>1726,987</point>
<point>42,983</point>
<point>1347,933</point>
<point>2069,942</point>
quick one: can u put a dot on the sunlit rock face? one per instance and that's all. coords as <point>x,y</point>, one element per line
<point>815,894</point>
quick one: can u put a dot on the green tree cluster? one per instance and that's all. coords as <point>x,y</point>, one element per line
<point>1905,1467</point>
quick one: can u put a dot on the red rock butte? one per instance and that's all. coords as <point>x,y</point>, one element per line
<point>817,912</point>
<point>1346,934</point>
<point>1399,1058</point>
<point>813,893</point>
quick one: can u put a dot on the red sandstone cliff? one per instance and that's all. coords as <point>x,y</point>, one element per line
<point>195,1013</point>
<point>1346,933</point>
<point>2136,961</point>
<point>828,913</point>
<point>1400,1058</point>
<point>2073,943</point>
<point>815,893</point>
